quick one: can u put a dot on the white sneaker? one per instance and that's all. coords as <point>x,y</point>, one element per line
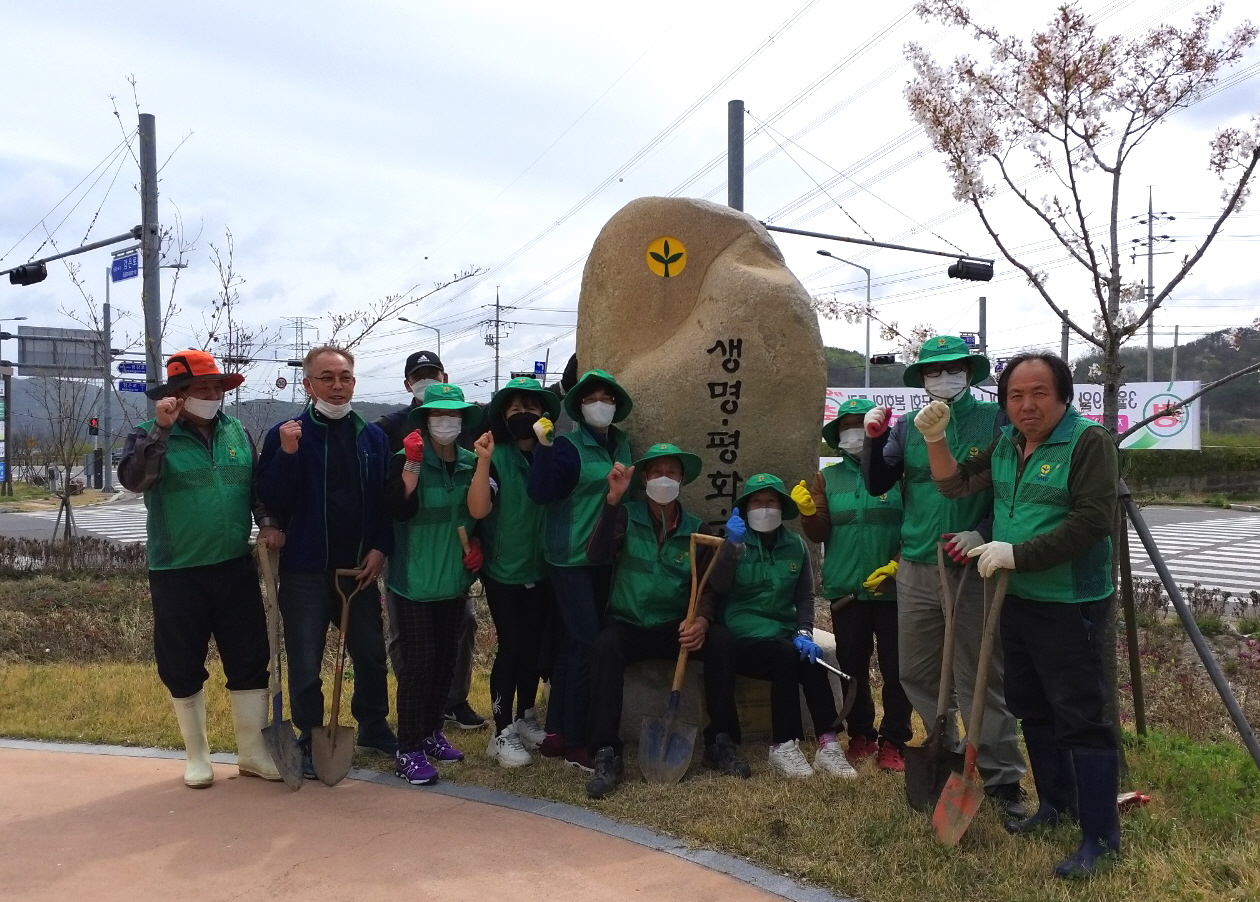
<point>505,747</point>
<point>788,759</point>
<point>831,760</point>
<point>530,733</point>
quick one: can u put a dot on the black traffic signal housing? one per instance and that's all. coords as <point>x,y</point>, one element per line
<point>94,426</point>
<point>971,270</point>
<point>883,359</point>
<point>28,274</point>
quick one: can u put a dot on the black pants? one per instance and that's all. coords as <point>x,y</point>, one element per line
<point>191,604</point>
<point>864,627</point>
<point>779,662</point>
<point>618,645</point>
<point>520,615</point>
<point>428,632</point>
<point>1054,668</point>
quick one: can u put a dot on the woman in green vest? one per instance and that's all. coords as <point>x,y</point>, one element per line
<point>862,535</point>
<point>514,574</point>
<point>768,606</point>
<point>569,477</point>
<point>435,487</point>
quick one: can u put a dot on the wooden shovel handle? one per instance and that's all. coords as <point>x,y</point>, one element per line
<point>680,669</point>
<point>463,539</point>
<point>339,574</point>
<point>976,722</point>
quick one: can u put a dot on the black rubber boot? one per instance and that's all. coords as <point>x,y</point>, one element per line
<point>1097,780</point>
<point>1052,775</point>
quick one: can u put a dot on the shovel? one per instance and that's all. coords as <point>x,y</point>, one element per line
<point>962,796</point>
<point>278,735</point>
<point>332,748</point>
<point>850,691</point>
<point>666,744</point>
<point>929,765</point>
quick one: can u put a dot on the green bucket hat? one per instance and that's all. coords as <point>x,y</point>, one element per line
<point>943,349</point>
<point>444,396</point>
<point>766,481</point>
<point>545,396</point>
<point>853,406</point>
<point>590,379</point>
<point>691,464</point>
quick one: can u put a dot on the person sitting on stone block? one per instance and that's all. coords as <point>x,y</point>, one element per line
<point>768,605</point>
<point>862,533</point>
<point>649,540</point>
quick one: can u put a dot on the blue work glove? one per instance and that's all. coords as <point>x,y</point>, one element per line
<point>736,528</point>
<point>809,649</point>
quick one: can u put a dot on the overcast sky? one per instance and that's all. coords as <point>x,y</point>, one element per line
<point>360,150</point>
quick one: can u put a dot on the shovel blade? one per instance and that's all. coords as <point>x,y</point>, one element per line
<point>928,767</point>
<point>282,744</point>
<point>665,748</point>
<point>960,800</point>
<point>332,753</point>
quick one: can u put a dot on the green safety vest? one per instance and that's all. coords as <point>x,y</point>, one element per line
<point>761,603</point>
<point>865,531</point>
<point>511,535</point>
<point>198,512</point>
<point>428,559</point>
<point>929,514</point>
<point>569,522</point>
<point>652,583</point>
<point>1035,501</point>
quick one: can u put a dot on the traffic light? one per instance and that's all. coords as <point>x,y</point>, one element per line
<point>28,274</point>
<point>881,359</point>
<point>971,270</point>
<point>94,426</point>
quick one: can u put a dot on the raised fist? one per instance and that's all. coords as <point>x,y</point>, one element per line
<point>932,420</point>
<point>290,434</point>
<point>546,431</point>
<point>167,411</point>
<point>413,446</point>
<point>876,421</point>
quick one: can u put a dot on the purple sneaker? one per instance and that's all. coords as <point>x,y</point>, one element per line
<point>437,748</point>
<point>414,767</point>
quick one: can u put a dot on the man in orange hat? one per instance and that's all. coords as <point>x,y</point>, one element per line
<point>195,468</point>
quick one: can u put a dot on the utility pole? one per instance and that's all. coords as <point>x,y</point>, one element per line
<point>299,347</point>
<point>107,465</point>
<point>735,156</point>
<point>150,250</point>
<point>984,326</point>
<point>1149,292</point>
<point>1063,341</point>
<point>1172,377</point>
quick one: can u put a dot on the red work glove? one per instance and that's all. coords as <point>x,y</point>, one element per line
<point>876,421</point>
<point>472,557</point>
<point>957,544</point>
<point>413,446</point>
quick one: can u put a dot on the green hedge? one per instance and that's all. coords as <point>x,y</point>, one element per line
<point>1152,469</point>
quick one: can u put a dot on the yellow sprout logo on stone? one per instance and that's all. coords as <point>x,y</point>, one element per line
<point>666,257</point>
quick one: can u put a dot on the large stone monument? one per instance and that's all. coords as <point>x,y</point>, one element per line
<point>690,305</point>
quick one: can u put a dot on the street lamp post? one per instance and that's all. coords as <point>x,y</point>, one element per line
<point>412,322</point>
<point>6,484</point>
<point>868,309</point>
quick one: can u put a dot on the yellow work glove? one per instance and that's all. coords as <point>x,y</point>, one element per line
<point>877,577</point>
<point>545,430</point>
<point>804,500</point>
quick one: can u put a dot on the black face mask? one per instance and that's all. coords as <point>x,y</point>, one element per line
<point>521,425</point>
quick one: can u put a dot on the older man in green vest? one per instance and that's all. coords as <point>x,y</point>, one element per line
<point>1053,475</point>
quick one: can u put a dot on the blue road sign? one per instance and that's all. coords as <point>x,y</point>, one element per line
<point>132,366</point>
<point>2,471</point>
<point>969,339</point>
<point>999,364</point>
<point>127,267</point>
<point>540,367</point>
<point>124,385</point>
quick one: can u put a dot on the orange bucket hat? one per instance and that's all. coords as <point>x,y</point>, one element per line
<point>188,366</point>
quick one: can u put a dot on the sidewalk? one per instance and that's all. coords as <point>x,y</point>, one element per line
<point>104,823</point>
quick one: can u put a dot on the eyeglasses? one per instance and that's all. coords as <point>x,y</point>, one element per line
<point>954,367</point>
<point>330,381</point>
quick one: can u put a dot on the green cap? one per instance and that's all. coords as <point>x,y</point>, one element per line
<point>943,349</point>
<point>851,407</point>
<point>596,379</point>
<point>691,464</point>
<point>444,396</point>
<point>767,481</point>
<point>545,396</point>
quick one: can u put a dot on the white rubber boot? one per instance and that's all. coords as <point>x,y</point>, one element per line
<point>249,716</point>
<point>191,714</point>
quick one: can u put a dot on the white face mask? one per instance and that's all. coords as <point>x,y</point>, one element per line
<point>332,411</point>
<point>947,386</point>
<point>418,387</point>
<point>850,441</point>
<point>201,407</point>
<point>444,430</point>
<point>663,489</point>
<point>599,413</point>
<point>765,519</point>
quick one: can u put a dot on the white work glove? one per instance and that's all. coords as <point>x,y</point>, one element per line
<point>876,421</point>
<point>932,420</point>
<point>959,544</point>
<point>993,556</point>
<point>545,430</point>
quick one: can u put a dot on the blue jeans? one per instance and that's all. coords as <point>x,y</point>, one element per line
<point>309,603</point>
